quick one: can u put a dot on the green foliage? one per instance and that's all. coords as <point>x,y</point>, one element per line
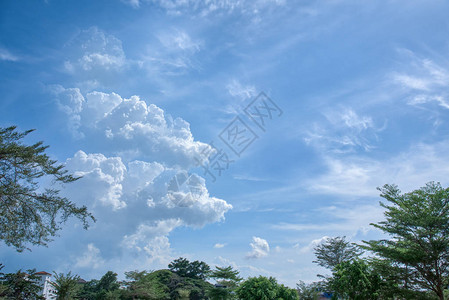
<point>418,225</point>
<point>144,285</point>
<point>108,283</point>
<point>3,287</point>
<point>220,293</point>
<point>263,288</point>
<point>184,268</point>
<point>334,251</point>
<point>307,291</point>
<point>226,273</point>
<point>228,279</point>
<point>89,290</point>
<point>105,288</point>
<point>28,214</point>
<point>21,285</point>
<point>164,284</point>
<point>286,293</point>
<point>66,286</point>
<point>258,288</point>
<point>197,288</point>
<point>355,280</point>
<point>394,280</point>
<point>138,288</point>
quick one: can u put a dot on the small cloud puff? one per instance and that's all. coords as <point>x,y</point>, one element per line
<point>260,248</point>
<point>93,50</point>
<point>91,258</point>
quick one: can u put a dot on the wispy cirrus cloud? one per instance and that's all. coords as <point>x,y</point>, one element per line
<point>343,131</point>
<point>360,175</point>
<point>345,219</point>
<point>175,53</point>
<point>243,92</point>
<point>6,55</point>
<point>423,79</point>
<point>206,7</point>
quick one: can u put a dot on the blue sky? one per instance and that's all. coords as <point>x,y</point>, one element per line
<point>130,93</point>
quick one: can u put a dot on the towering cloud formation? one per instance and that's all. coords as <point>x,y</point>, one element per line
<point>139,186</point>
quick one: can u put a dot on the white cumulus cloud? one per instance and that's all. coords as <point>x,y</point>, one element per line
<point>137,183</point>
<point>131,124</point>
<point>92,49</point>
<point>91,258</point>
<point>260,248</point>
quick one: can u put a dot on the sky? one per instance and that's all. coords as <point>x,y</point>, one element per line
<point>234,132</point>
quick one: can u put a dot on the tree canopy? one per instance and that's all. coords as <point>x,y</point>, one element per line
<point>418,227</point>
<point>30,213</point>
<point>333,251</point>
<point>20,285</point>
<point>105,288</point>
<point>228,280</point>
<point>355,280</point>
<point>66,286</point>
<point>263,288</point>
<point>195,269</point>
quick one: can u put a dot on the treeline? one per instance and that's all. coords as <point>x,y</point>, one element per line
<point>411,262</point>
<point>182,280</point>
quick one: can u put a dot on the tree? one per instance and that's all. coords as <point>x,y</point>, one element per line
<point>66,286</point>
<point>263,288</point>
<point>355,280</point>
<point>29,213</point>
<point>394,280</point>
<point>286,293</point>
<point>258,288</point>
<point>107,284</point>
<point>307,291</point>
<point>164,284</point>
<point>141,285</point>
<point>105,288</point>
<point>418,225</point>
<point>3,287</point>
<point>228,279</point>
<point>184,268</point>
<point>21,285</point>
<point>334,251</point>
<point>88,290</point>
